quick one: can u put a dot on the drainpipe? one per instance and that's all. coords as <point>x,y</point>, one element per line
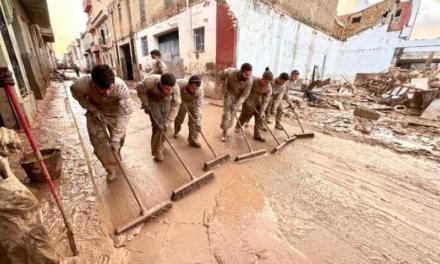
<point>191,47</point>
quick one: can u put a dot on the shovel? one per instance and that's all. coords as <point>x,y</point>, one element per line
<point>218,160</point>
<point>144,215</point>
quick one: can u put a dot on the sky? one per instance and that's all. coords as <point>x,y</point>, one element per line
<point>69,20</point>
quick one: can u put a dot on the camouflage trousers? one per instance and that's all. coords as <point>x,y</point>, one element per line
<point>279,112</point>
<point>229,109</point>
<point>246,114</point>
<point>100,144</point>
<point>157,138</point>
<point>193,123</point>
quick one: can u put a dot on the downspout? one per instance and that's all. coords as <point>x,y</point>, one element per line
<point>191,41</point>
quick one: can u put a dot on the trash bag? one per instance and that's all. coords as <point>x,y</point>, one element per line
<point>23,238</point>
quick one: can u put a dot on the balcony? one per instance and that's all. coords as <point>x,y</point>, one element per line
<point>87,5</point>
<point>99,18</point>
<point>90,28</point>
<point>94,48</point>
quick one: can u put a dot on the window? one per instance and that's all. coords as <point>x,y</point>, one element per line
<point>398,15</point>
<point>356,20</point>
<point>142,10</point>
<point>199,39</point>
<point>144,46</point>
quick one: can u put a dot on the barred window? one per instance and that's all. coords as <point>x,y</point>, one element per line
<point>199,39</point>
<point>144,46</point>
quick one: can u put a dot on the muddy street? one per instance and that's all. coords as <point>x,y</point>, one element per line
<point>322,200</point>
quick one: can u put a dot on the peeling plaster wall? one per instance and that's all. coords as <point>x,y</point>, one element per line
<point>267,38</point>
<point>203,15</point>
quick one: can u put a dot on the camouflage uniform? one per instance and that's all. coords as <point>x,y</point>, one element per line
<point>276,107</point>
<point>162,109</point>
<point>159,67</point>
<point>258,99</point>
<point>192,102</point>
<point>115,110</point>
<point>235,93</point>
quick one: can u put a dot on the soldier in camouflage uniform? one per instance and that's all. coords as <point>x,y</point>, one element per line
<point>256,103</point>
<point>107,100</point>
<point>192,99</point>
<point>160,96</point>
<point>279,93</point>
<point>237,86</point>
<point>159,66</point>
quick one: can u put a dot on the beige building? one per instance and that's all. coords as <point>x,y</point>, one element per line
<point>25,36</point>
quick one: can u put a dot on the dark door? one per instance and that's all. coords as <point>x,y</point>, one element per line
<point>126,62</point>
<point>169,47</point>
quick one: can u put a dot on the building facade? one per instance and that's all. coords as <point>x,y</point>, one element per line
<point>26,34</point>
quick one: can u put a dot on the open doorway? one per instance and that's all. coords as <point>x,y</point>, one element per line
<point>126,62</point>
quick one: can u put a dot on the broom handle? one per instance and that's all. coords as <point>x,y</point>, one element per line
<point>268,128</point>
<point>39,157</point>
<point>297,119</point>
<point>201,133</point>
<point>173,148</point>
<point>284,129</point>
<point>242,132</point>
<point>124,173</point>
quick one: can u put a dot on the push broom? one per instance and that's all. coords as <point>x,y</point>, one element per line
<point>280,145</point>
<point>218,160</point>
<point>252,154</point>
<point>195,182</point>
<point>144,215</point>
<point>303,134</point>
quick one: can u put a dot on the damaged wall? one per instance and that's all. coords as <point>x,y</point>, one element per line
<point>268,38</point>
<point>319,14</point>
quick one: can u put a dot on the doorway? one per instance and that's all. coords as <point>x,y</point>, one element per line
<point>126,62</point>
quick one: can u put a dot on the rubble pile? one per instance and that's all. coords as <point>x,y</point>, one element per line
<point>381,83</point>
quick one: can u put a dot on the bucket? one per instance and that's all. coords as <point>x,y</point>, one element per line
<point>53,160</point>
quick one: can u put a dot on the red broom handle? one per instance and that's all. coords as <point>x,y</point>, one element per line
<point>37,153</point>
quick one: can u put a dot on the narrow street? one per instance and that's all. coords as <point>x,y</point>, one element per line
<point>324,200</point>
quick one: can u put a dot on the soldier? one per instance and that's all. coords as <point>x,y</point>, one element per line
<point>160,98</point>
<point>192,97</point>
<point>107,101</point>
<point>293,80</point>
<point>256,103</point>
<point>159,66</point>
<point>237,86</point>
<point>279,93</point>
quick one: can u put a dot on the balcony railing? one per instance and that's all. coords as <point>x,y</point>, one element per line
<point>87,5</point>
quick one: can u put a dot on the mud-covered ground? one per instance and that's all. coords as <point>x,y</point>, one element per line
<point>402,131</point>
<point>322,200</point>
